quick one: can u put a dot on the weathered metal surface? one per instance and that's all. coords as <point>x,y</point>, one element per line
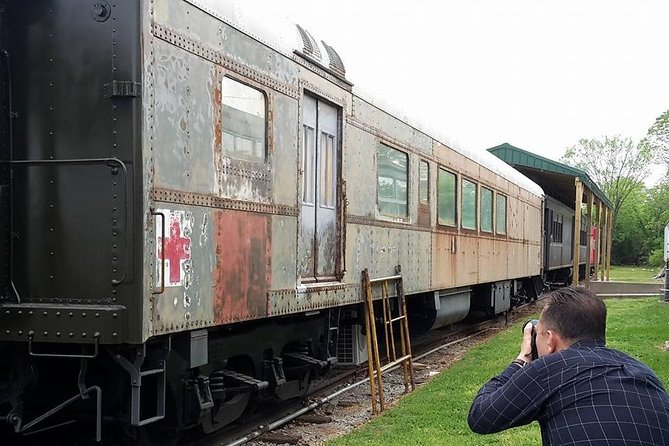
<point>185,126</point>
<point>284,124</point>
<point>381,249</point>
<point>515,216</point>
<point>444,259</point>
<point>284,249</point>
<point>357,152</point>
<point>243,272</point>
<point>466,266</point>
<point>225,55</point>
<point>486,260</point>
<point>391,127</point>
<point>312,297</point>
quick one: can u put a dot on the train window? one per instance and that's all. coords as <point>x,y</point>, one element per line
<point>500,212</point>
<point>556,229</point>
<point>243,121</point>
<point>327,177</point>
<point>469,193</point>
<point>486,209</point>
<point>446,197</point>
<point>392,177</point>
<point>424,183</point>
<point>308,166</point>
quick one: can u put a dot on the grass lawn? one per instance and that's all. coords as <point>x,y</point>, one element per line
<point>436,414</point>
<point>634,273</point>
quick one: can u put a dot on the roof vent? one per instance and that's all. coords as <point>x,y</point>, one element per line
<point>310,45</point>
<point>335,61</point>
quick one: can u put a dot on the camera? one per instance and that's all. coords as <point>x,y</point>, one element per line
<point>534,322</point>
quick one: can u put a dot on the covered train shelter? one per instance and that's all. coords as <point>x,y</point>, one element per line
<point>574,188</point>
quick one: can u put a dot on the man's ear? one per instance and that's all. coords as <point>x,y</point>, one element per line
<point>555,341</point>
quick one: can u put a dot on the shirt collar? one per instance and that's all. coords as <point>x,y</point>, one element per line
<point>586,343</point>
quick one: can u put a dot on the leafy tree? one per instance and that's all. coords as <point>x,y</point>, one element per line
<point>658,138</point>
<point>615,163</point>
<point>630,230</point>
<point>657,213</point>
<point>638,233</point>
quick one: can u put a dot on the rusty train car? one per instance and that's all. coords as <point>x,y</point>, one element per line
<point>188,200</point>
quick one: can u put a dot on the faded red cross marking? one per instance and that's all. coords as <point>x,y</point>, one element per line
<point>177,248</point>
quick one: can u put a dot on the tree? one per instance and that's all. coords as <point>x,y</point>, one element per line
<point>630,231</point>
<point>638,233</point>
<point>615,163</point>
<point>658,138</point>
<point>657,212</point>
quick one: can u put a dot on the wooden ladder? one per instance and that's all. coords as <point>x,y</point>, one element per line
<point>389,320</point>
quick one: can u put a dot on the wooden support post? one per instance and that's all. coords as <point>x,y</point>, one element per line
<point>609,232</point>
<point>588,235</point>
<point>576,240</point>
<point>605,212</point>
<point>598,240</point>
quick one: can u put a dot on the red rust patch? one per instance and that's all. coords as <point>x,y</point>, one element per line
<point>243,266</point>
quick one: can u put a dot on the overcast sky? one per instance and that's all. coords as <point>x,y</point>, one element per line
<point>539,75</point>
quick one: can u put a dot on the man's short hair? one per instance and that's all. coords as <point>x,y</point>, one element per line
<point>575,313</point>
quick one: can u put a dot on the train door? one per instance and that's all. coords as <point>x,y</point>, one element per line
<point>319,244</point>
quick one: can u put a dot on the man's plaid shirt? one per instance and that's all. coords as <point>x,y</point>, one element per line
<point>585,395</point>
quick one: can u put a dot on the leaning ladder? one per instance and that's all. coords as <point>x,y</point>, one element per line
<point>374,363</point>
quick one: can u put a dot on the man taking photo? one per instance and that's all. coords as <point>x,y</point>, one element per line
<point>581,392</point>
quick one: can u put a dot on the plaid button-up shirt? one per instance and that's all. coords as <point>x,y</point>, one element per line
<point>585,395</point>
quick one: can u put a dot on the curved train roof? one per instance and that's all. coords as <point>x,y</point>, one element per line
<point>288,38</point>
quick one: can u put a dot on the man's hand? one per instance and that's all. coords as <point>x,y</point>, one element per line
<point>526,344</point>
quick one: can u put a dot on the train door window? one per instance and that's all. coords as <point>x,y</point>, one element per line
<point>486,209</point>
<point>500,212</point>
<point>243,121</point>
<point>309,152</point>
<point>447,198</point>
<point>424,183</point>
<point>469,196</point>
<point>392,175</point>
<point>326,198</point>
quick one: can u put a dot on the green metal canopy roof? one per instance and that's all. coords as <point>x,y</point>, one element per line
<point>556,179</point>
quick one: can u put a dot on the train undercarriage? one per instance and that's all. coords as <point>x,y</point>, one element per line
<point>209,379</point>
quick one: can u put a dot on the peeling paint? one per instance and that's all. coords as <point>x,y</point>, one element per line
<point>203,230</point>
<point>243,265</point>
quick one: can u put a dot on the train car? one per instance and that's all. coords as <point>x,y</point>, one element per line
<point>189,198</point>
<point>559,226</point>
<point>569,188</point>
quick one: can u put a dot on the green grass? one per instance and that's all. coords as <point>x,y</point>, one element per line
<point>633,273</point>
<point>436,414</point>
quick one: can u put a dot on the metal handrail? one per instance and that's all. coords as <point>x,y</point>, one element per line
<point>160,214</point>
